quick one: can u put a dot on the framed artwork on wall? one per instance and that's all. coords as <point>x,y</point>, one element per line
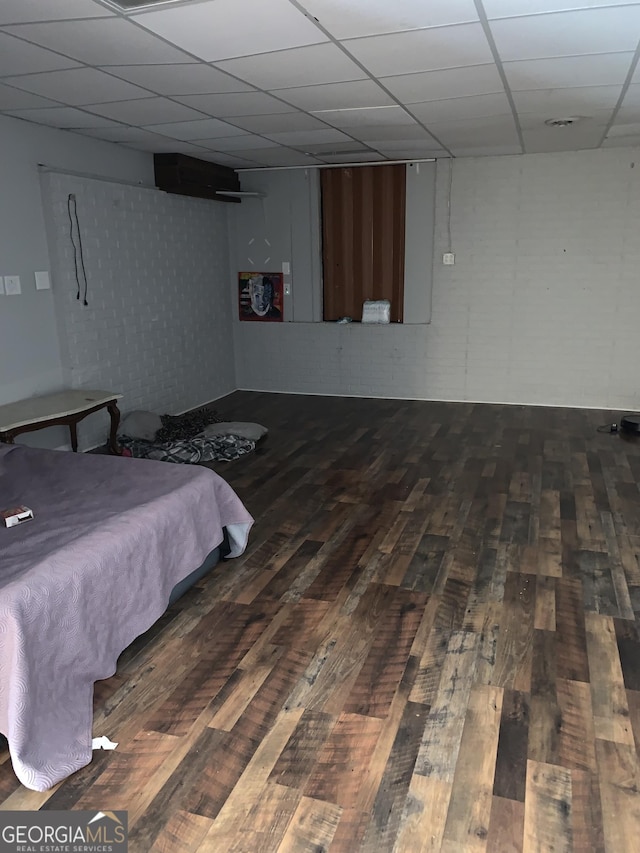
<point>260,296</point>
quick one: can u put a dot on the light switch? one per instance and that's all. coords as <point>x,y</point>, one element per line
<point>12,285</point>
<point>1,286</point>
<point>42,280</point>
<point>286,268</point>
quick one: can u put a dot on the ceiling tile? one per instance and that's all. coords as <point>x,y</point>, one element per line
<point>368,116</point>
<point>241,104</point>
<point>25,11</point>
<point>300,66</point>
<point>20,57</point>
<point>360,93</point>
<point>553,139</point>
<point>407,147</point>
<point>583,123</point>
<point>449,83</point>
<point>568,33</point>
<point>626,129</point>
<point>64,117</point>
<point>499,130</point>
<point>509,9</point>
<point>575,101</point>
<point>223,29</point>
<point>373,17</point>
<point>622,142</point>
<point>145,111</point>
<point>161,145</point>
<point>78,86</point>
<point>364,157</point>
<point>101,41</point>
<point>606,69</point>
<point>486,150</point>
<point>16,99</point>
<point>278,123</point>
<point>390,132</point>
<point>422,50</point>
<point>299,138</point>
<point>632,95</point>
<point>348,147</point>
<point>227,159</point>
<point>460,108</point>
<point>192,79</point>
<point>280,157</point>
<point>205,128</point>
<point>118,133</point>
<point>239,143</point>
<point>628,115</point>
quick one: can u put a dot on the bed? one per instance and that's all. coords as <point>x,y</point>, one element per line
<point>111,542</point>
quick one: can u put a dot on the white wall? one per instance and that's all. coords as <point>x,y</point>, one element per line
<point>30,361</point>
<point>157,327</point>
<point>540,307</point>
<point>543,302</point>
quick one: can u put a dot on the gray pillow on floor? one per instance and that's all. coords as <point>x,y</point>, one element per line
<point>253,432</point>
<point>139,424</point>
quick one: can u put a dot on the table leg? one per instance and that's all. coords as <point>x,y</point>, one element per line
<point>114,411</point>
<point>73,429</point>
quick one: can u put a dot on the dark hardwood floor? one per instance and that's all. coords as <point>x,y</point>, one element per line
<point>430,644</point>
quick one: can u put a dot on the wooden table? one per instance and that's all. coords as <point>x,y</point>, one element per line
<point>65,408</point>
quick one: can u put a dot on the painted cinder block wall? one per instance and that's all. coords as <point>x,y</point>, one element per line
<point>541,306</point>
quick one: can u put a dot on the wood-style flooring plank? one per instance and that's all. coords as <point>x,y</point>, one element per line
<point>431,643</point>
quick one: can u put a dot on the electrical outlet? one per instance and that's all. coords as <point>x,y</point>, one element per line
<point>12,285</point>
<point>448,259</point>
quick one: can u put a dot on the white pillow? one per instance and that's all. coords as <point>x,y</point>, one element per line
<point>140,424</point>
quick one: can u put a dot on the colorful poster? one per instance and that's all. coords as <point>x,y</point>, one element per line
<point>260,296</point>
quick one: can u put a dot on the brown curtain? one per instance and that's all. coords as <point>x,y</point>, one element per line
<point>363,211</point>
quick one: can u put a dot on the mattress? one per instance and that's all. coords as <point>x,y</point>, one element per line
<point>110,539</point>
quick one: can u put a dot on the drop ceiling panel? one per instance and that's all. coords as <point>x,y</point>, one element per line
<point>459,108</point>
<point>409,131</point>
<point>205,128</point>
<point>298,138</point>
<point>450,83</point>
<point>578,101</point>
<point>627,115</point>
<point>632,95</point>
<point>78,86</point>
<point>422,50</point>
<point>65,117</point>
<point>242,104</point>
<point>25,11</point>
<point>546,139</point>
<point>281,157</point>
<point>583,123</point>
<point>145,111</point>
<point>368,116</point>
<point>373,17</point>
<point>223,29</point>
<point>622,142</point>
<point>16,99</point>
<point>249,142</point>
<point>278,123</point>
<point>482,132</point>
<point>507,8</point>
<point>601,70</point>
<point>159,145</point>
<point>486,150</point>
<point>362,93</point>
<point>568,33</point>
<point>364,157</point>
<point>192,79</point>
<point>19,57</point>
<point>300,66</point>
<point>103,41</point>
<point>233,160</point>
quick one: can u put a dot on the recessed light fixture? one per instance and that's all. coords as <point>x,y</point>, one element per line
<point>567,121</point>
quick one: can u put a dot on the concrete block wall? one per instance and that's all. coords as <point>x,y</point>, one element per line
<point>540,307</point>
<point>157,327</point>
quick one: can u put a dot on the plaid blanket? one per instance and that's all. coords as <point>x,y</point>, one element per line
<point>220,448</point>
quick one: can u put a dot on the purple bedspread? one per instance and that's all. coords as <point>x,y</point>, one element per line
<point>94,569</point>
